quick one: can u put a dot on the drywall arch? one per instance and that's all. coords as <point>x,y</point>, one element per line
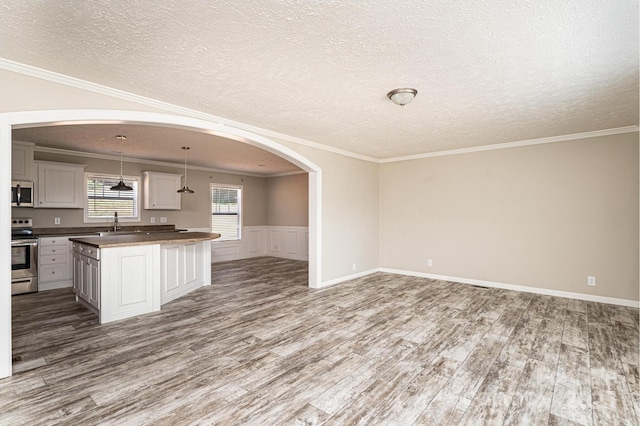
<point>24,119</point>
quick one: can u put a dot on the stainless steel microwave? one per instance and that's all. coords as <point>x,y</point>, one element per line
<point>21,194</point>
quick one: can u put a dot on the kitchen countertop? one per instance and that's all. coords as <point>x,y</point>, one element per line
<point>142,238</point>
<point>89,230</point>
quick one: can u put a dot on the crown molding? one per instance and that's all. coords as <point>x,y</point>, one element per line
<point>528,142</point>
<point>77,83</point>
<point>297,172</point>
<point>54,77</point>
<point>148,162</point>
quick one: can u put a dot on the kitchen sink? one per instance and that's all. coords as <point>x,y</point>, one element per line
<point>128,232</point>
<point>111,233</point>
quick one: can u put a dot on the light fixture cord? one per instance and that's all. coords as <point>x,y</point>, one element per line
<point>121,165</point>
<point>185,168</point>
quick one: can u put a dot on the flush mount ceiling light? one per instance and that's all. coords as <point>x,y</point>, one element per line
<point>121,186</point>
<point>402,96</point>
<point>185,188</point>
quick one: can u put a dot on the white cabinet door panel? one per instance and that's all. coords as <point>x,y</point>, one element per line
<point>182,269</point>
<point>60,185</point>
<point>128,275</point>
<point>161,191</point>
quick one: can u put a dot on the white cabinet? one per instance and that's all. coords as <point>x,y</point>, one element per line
<point>182,269</point>
<point>161,191</point>
<point>77,272</point>
<point>22,161</point>
<point>129,278</point>
<point>60,185</point>
<point>54,263</point>
<point>86,275</point>
<point>124,281</point>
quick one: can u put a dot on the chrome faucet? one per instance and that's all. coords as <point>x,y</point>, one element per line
<point>115,222</point>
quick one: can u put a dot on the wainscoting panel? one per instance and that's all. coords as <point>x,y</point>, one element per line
<point>256,241</point>
<point>292,242</point>
<point>274,240</point>
<point>289,242</point>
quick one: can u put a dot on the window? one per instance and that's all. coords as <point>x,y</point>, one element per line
<point>226,211</point>
<point>101,203</point>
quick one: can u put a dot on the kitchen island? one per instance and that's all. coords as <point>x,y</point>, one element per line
<point>125,275</point>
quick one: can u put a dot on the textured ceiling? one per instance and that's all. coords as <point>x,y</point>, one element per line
<point>487,72</point>
<point>158,144</point>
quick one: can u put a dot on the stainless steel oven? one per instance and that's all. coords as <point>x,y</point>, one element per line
<point>24,257</point>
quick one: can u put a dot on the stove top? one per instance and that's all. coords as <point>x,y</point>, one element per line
<point>22,229</point>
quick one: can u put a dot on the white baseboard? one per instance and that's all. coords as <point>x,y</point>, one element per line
<point>536,290</point>
<point>55,285</point>
<point>348,278</point>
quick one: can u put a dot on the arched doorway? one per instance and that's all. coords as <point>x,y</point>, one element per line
<point>16,120</point>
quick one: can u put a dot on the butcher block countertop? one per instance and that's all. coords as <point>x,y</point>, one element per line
<point>141,238</point>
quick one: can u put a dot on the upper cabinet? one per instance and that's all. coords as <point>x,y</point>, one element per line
<point>161,191</point>
<point>22,161</point>
<point>60,185</point>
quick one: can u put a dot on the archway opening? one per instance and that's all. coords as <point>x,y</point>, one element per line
<point>18,120</point>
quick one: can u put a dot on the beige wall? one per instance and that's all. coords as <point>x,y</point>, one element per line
<point>349,212</point>
<point>350,190</point>
<point>288,200</point>
<point>196,208</point>
<point>544,216</point>
<point>24,93</point>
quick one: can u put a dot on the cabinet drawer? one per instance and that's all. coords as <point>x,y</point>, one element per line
<point>54,259</point>
<point>86,250</point>
<point>45,242</point>
<point>54,250</point>
<point>53,273</point>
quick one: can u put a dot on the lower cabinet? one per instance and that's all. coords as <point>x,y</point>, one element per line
<point>122,282</point>
<point>86,276</point>
<point>182,270</point>
<point>129,277</point>
<point>55,262</point>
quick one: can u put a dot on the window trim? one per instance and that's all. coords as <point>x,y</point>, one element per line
<point>240,209</point>
<point>137,179</point>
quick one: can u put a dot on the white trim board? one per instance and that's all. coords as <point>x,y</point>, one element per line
<point>492,147</point>
<point>348,278</point>
<point>54,77</point>
<point>536,290</point>
<point>69,152</point>
<point>34,118</point>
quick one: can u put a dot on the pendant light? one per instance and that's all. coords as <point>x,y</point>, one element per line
<point>185,188</point>
<point>121,186</point>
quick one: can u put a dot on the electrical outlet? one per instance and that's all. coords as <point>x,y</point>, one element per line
<point>56,221</point>
<point>354,266</point>
<point>429,263</point>
<point>591,281</point>
<point>152,220</point>
<point>163,220</point>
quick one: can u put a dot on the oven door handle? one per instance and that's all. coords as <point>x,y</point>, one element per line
<point>26,280</point>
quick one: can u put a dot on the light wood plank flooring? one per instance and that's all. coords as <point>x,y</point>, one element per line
<point>259,347</point>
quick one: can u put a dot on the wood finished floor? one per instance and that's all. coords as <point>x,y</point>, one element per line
<point>259,347</point>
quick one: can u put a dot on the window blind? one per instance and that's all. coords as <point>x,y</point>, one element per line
<point>102,202</point>
<point>225,212</point>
